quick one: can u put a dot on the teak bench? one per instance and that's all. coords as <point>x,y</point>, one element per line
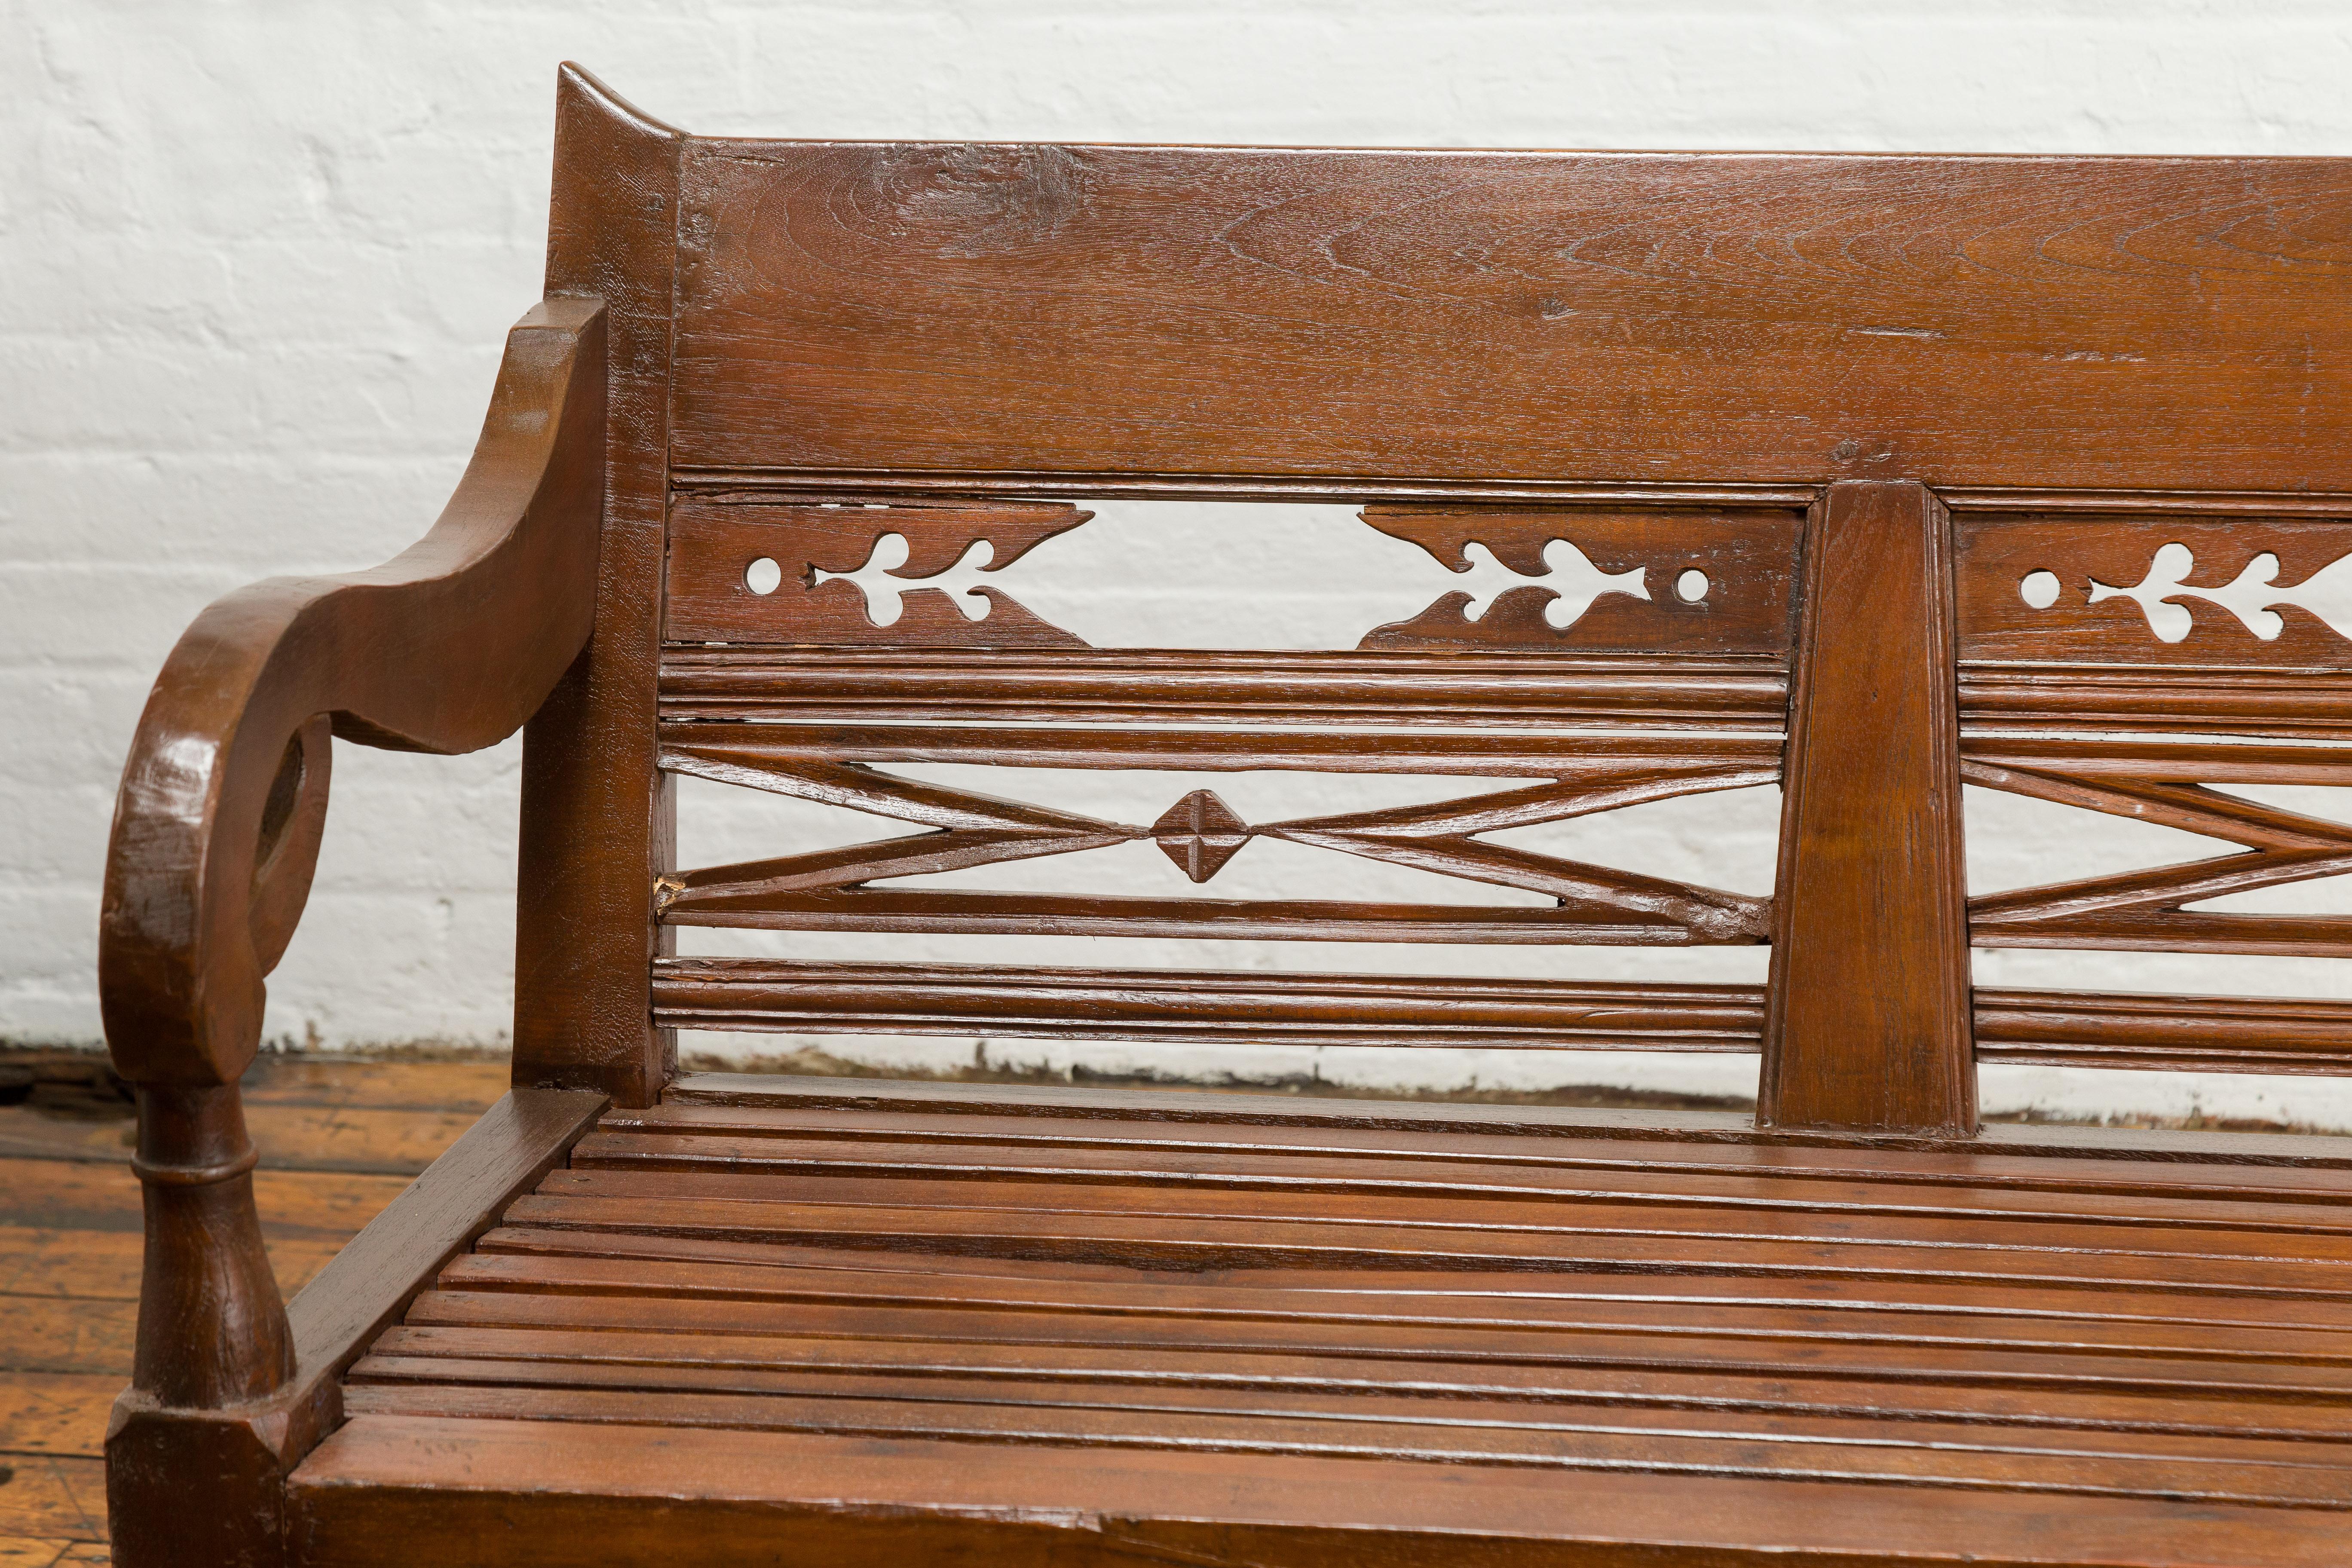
<point>1929,470</point>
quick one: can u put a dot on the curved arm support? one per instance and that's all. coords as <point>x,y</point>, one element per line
<point>447,647</point>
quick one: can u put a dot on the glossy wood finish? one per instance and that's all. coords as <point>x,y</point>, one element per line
<point>2098,562</point>
<point>339,1138</point>
<point>189,1482</point>
<point>1205,1007</point>
<point>712,547</point>
<point>2031,1347</point>
<point>1744,604</point>
<point>598,822</point>
<point>2143,909</point>
<point>1867,1021</point>
<point>827,889</point>
<point>1601,772</point>
<point>1868,400</point>
<point>2157,700</point>
<point>1605,317</point>
<point>446,648</point>
<point>1194,1006</point>
<point>793,1499</point>
<point>1239,687</point>
<point>2295,1165</point>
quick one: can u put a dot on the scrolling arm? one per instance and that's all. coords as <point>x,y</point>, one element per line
<point>447,647</point>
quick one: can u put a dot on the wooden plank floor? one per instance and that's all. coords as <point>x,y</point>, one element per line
<point>338,1140</point>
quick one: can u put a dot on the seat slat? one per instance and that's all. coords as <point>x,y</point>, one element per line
<point>1518,1343</point>
<point>1212,1370</point>
<point>1360,1298</point>
<point>383,1490</point>
<point>2318,1327</point>
<point>848,1172</point>
<point>1266,1130</point>
<point>1350,1222</point>
<point>1179,1242</point>
<point>1283,1289</point>
<point>1700,1451</point>
<point>1467,1410</point>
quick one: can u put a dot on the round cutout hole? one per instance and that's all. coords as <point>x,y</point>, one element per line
<point>2039,589</point>
<point>1691,586</point>
<point>763,575</point>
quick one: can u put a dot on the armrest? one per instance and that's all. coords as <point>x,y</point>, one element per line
<point>447,647</point>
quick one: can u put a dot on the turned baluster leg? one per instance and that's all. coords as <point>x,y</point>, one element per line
<point>212,1326</point>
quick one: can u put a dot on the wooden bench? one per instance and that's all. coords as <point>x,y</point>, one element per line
<point>1949,439</point>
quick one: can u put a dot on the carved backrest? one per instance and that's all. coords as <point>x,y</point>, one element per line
<point>1881,473</point>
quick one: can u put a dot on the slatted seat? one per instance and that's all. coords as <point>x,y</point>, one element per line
<point>1867,478</point>
<point>2044,1335</point>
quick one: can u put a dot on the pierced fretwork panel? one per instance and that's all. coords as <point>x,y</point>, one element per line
<point>2254,593</point>
<point>1658,581</point>
<point>905,574</point>
<point>1577,579</point>
<point>2169,784</point>
<point>836,889</point>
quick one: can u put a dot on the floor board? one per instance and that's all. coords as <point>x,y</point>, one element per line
<point>338,1139</point>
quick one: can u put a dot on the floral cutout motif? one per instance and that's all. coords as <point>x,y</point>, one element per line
<point>1540,578</point>
<point>1569,577</point>
<point>886,590</point>
<point>852,573</point>
<point>2326,594</point>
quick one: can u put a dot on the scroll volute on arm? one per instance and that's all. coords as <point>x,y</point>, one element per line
<point>447,647</point>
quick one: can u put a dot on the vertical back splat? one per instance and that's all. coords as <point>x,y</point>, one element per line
<point>1868,1025</point>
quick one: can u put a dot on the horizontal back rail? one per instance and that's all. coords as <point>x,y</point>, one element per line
<point>1241,688</point>
<point>689,747</point>
<point>1171,312</point>
<point>2061,1028</point>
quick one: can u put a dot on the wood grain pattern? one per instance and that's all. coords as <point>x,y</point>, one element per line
<point>158,1454</point>
<point>864,1322</point>
<point>2146,909</point>
<point>1616,767</point>
<point>780,1498</point>
<point>1868,1025</point>
<point>2094,556</point>
<point>2191,1034</point>
<point>1227,687</point>
<point>1748,559</point>
<point>2037,1156</point>
<point>831,888</point>
<point>598,818</point>
<point>513,1147</point>
<point>1202,1006</point>
<point>447,647</point>
<point>2032,321</point>
<point>1186,1280</point>
<point>54,1497</point>
<point>2286,704</point>
<point>69,1240</point>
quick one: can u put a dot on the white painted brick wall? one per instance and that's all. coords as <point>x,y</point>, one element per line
<point>258,257</point>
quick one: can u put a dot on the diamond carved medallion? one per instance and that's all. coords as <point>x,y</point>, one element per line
<point>1199,833</point>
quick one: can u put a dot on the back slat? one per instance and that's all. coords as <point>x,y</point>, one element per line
<point>2156,323</point>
